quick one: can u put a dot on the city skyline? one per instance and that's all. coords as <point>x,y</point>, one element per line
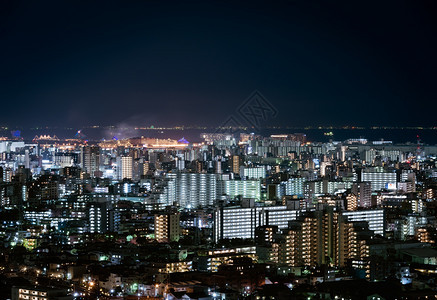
<point>218,150</point>
<point>276,215</point>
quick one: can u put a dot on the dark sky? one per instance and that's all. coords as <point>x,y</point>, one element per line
<point>79,63</point>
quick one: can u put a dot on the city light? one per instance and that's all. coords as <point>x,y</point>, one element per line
<point>218,150</point>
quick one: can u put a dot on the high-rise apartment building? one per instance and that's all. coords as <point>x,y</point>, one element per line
<point>124,167</point>
<point>190,189</point>
<point>374,217</point>
<point>380,180</point>
<point>102,216</point>
<point>363,192</point>
<point>235,164</point>
<point>241,222</point>
<point>253,172</point>
<point>323,237</point>
<point>91,160</point>
<point>242,188</point>
<point>167,227</point>
<point>293,187</point>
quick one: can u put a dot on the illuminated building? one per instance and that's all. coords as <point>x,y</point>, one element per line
<point>380,180</point>
<point>329,200</point>
<point>423,235</point>
<point>294,186</point>
<point>351,202</point>
<point>417,205</point>
<point>393,155</point>
<point>175,267</point>
<point>37,293</point>
<point>322,187</point>
<point>10,146</point>
<point>91,160</point>
<point>407,226</point>
<point>390,200</point>
<point>322,238</point>
<point>374,217</point>
<point>214,258</point>
<point>137,169</point>
<point>38,217</point>
<point>253,172</point>
<point>167,227</point>
<point>144,142</point>
<point>7,174</point>
<point>242,188</point>
<point>68,159</point>
<point>363,192</point>
<point>406,187</point>
<point>277,146</point>
<point>190,189</point>
<point>46,188</point>
<point>300,246</point>
<point>124,167</point>
<point>180,163</point>
<point>225,142</point>
<point>235,163</point>
<point>218,166</point>
<point>264,234</point>
<point>429,194</point>
<point>102,217</point>
<point>294,202</point>
<point>146,167</point>
<point>211,137</point>
<point>239,222</point>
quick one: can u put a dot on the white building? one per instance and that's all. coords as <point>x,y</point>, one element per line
<point>189,189</point>
<point>393,155</point>
<point>380,180</point>
<point>374,217</point>
<point>253,172</point>
<point>243,188</point>
<point>294,186</point>
<point>239,222</point>
<point>124,167</point>
<point>321,187</point>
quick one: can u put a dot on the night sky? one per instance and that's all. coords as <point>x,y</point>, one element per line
<point>78,63</point>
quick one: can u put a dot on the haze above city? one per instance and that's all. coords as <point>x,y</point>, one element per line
<point>194,63</point>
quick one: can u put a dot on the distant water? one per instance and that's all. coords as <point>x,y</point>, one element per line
<point>427,136</point>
